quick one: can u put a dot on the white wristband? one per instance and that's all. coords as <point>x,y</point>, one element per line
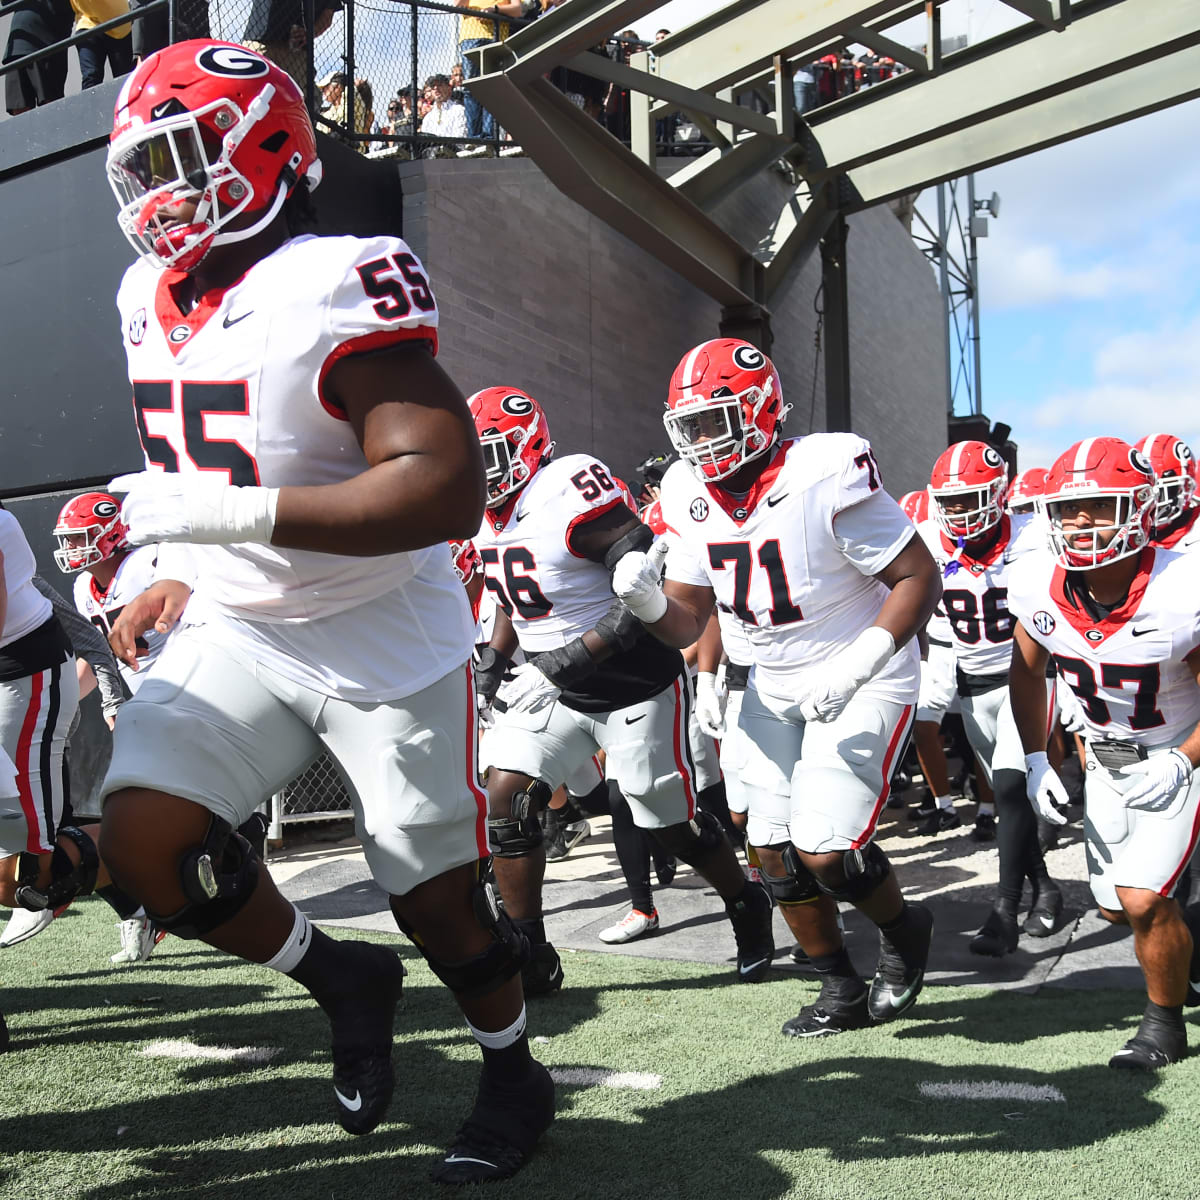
<point>652,609</point>
<point>872,651</point>
<point>247,514</point>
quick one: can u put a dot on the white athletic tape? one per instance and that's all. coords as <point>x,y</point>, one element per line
<point>993,1089</point>
<point>249,1054</point>
<point>595,1077</point>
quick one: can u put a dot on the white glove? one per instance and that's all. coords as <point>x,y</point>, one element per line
<point>167,507</point>
<point>1044,788</point>
<point>846,672</point>
<point>637,581</point>
<point>1160,782</point>
<point>528,691</point>
<point>711,695</point>
<point>1070,711</point>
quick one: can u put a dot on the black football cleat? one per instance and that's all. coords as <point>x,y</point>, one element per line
<point>840,1006</point>
<point>922,811</point>
<point>997,936</point>
<point>1045,916</point>
<point>1191,918</point>
<point>751,919</point>
<point>362,1037</point>
<point>1153,1047</point>
<point>498,1137</point>
<point>939,821</point>
<point>900,974</point>
<point>543,973</point>
<point>985,828</point>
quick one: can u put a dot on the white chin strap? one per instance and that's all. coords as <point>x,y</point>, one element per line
<point>226,237</point>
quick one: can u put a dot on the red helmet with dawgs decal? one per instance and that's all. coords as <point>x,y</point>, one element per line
<point>968,484</point>
<point>916,505</point>
<point>515,439</point>
<point>1174,467</point>
<point>466,560</point>
<point>206,135</point>
<point>88,531</point>
<point>724,407</point>
<point>1026,487</point>
<point>1100,468</point>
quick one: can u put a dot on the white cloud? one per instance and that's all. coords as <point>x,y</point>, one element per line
<point>1036,274</point>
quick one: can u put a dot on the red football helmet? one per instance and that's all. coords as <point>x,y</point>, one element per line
<point>977,473</point>
<point>515,439</point>
<point>916,505</point>
<point>651,516</point>
<point>1174,467</point>
<point>724,407</point>
<point>89,530</point>
<point>1026,487</point>
<point>626,494</point>
<point>466,560</point>
<point>1100,467</point>
<point>213,127</point>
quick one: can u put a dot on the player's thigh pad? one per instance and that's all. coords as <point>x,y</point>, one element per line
<point>206,725</point>
<point>769,747</point>
<point>549,747</point>
<point>35,714</point>
<point>650,756</point>
<point>938,684</point>
<point>841,782</point>
<point>733,754</point>
<point>1128,847</point>
<point>412,772</point>
<point>980,718</point>
<point>584,778</point>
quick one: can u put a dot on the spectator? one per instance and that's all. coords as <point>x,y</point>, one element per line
<point>445,118</point>
<point>804,88</point>
<point>457,92</point>
<point>335,112</point>
<point>152,33</point>
<point>39,24</point>
<point>366,94</point>
<point>473,32</point>
<point>400,116</point>
<point>616,100</point>
<point>276,31</point>
<point>114,47</point>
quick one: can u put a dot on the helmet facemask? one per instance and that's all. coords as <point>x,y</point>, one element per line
<point>1173,494</point>
<point>506,470</point>
<point>74,558</point>
<point>713,437</point>
<point>1129,522</point>
<point>985,509</point>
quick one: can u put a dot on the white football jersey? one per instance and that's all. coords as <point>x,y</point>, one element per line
<point>134,575</point>
<point>237,386</point>
<point>27,608</point>
<point>1186,537</point>
<point>1127,670</point>
<point>975,592</point>
<point>550,594</point>
<point>799,581</point>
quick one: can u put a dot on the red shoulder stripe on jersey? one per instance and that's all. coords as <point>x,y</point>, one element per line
<point>1179,534</point>
<point>1081,621</point>
<point>360,345</point>
<point>993,552</point>
<point>584,518</point>
<point>762,485</point>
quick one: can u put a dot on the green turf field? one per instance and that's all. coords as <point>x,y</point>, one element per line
<point>740,1112</point>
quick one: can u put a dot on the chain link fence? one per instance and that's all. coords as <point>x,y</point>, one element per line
<point>316,794</point>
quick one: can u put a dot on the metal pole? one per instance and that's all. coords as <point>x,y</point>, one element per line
<point>170,22</point>
<point>837,327</point>
<point>413,29</point>
<point>944,285</point>
<point>973,272</point>
<point>310,79</point>
<point>352,98</point>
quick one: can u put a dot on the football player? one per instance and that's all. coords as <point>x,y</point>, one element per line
<point>1024,491</point>
<point>937,694</point>
<point>1176,506</point>
<point>975,544</point>
<point>301,438</point>
<point>798,538</point>
<point>554,531</point>
<point>1121,621</point>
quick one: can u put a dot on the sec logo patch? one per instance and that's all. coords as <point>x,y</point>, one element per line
<point>699,509</point>
<point>1043,622</point>
<point>137,327</point>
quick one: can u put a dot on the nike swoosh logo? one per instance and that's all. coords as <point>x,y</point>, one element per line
<point>229,321</point>
<point>1141,632</point>
<point>303,938</point>
<point>904,997</point>
<point>632,720</point>
<point>752,966</point>
<point>462,1158</point>
<point>1047,922</point>
<point>556,972</point>
<point>774,500</point>
<point>345,1101</point>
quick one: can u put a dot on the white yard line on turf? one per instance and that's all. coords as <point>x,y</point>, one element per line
<point>250,1054</point>
<point>993,1089</point>
<point>596,1077</point>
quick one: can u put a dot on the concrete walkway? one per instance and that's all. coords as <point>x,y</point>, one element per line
<point>324,873</point>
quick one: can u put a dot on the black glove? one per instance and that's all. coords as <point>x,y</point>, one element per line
<point>490,668</point>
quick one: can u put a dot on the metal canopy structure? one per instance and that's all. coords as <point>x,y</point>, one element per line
<point>1073,66</point>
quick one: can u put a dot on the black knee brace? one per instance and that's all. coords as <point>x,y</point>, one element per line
<point>66,880</point>
<point>797,886</point>
<point>709,836</point>
<point>520,833</point>
<point>218,878</point>
<point>864,870</point>
<point>494,966</point>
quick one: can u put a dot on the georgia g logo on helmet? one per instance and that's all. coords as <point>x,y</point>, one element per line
<point>992,457</point>
<point>229,60</point>
<point>749,358</point>
<point>1139,462</point>
<point>516,405</point>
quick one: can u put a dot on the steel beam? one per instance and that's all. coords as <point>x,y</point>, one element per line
<point>1041,11</point>
<point>881,44</point>
<point>709,179</point>
<point>586,163</point>
<point>1105,102</point>
<point>802,222</point>
<point>1005,74</point>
